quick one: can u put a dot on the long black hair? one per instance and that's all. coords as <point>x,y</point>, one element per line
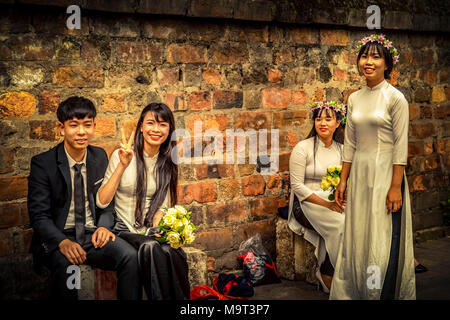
<point>338,134</point>
<point>382,51</point>
<point>165,170</point>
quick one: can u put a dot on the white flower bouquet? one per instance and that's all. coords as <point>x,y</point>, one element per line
<point>176,228</point>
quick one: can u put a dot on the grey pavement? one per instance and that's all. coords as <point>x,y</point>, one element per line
<point>431,285</point>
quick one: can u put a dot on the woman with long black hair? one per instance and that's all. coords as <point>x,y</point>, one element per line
<point>141,179</point>
<point>376,259</point>
<point>311,214</point>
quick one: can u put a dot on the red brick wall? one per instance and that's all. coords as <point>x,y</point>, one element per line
<point>229,75</point>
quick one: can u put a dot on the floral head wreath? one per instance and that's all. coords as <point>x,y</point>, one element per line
<point>380,38</point>
<point>337,107</point>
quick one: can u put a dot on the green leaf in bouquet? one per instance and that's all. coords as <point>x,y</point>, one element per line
<point>161,240</point>
<point>181,228</point>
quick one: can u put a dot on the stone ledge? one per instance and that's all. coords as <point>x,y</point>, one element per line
<point>295,255</point>
<point>423,17</point>
<point>97,284</point>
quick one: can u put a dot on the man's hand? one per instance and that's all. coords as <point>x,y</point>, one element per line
<point>72,251</point>
<point>101,237</point>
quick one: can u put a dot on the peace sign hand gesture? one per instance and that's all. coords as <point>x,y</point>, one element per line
<point>125,151</point>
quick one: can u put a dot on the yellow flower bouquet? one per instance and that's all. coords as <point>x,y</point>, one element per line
<point>177,229</point>
<point>331,180</point>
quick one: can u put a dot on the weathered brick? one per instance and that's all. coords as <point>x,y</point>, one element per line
<point>275,98</point>
<point>441,111</point>
<point>13,214</point>
<point>284,55</point>
<point>319,95</point>
<point>6,243</point>
<point>223,99</point>
<point>226,53</point>
<point>17,104</point>
<point>201,8</point>
<point>425,112</point>
<point>214,239</point>
<point>274,75</point>
<point>77,76</point>
<point>229,189</point>
<point>113,102</point>
<point>422,94</point>
<point>302,35</point>
<point>168,76</point>
<point>212,76</point>
<point>46,130</point>
<point>246,169</point>
<point>169,7</point>
<point>423,130</point>
<point>284,162</point>
<point>339,74</point>
<point>414,111</point>
<point>266,206</point>
<point>200,101</point>
<point>334,37</point>
<point>175,101</point>
<point>252,120</point>
<point>248,33</point>
<point>438,94</point>
<point>105,126</point>
<point>30,48</point>
<point>292,138</point>
<point>200,192</point>
<point>48,102</point>
<point>289,119</point>
<point>220,122</point>
<point>415,148</point>
<point>299,98</point>
<point>6,159</point>
<point>14,187</point>
<point>226,212</point>
<point>214,171</point>
<point>253,185</point>
<point>177,53</point>
<point>130,52</point>
<point>430,162</point>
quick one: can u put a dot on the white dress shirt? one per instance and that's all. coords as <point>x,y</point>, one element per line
<point>70,222</point>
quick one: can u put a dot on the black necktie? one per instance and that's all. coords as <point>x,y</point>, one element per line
<point>80,205</point>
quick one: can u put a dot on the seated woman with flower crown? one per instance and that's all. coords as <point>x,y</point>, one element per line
<point>311,214</point>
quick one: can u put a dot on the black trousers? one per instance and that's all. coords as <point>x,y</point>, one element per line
<point>163,269</point>
<point>116,255</point>
<point>390,279</point>
<point>326,267</point>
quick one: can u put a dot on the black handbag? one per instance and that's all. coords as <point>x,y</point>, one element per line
<point>299,215</point>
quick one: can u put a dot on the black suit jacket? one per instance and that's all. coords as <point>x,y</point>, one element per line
<point>50,194</point>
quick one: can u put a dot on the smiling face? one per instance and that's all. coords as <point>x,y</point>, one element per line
<point>372,65</point>
<point>155,131</point>
<point>326,124</point>
<point>77,133</point>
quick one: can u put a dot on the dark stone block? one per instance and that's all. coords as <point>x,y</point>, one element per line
<point>205,9</point>
<point>257,10</point>
<point>170,7</point>
<point>325,74</point>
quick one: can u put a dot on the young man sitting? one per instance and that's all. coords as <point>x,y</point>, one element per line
<point>69,229</point>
